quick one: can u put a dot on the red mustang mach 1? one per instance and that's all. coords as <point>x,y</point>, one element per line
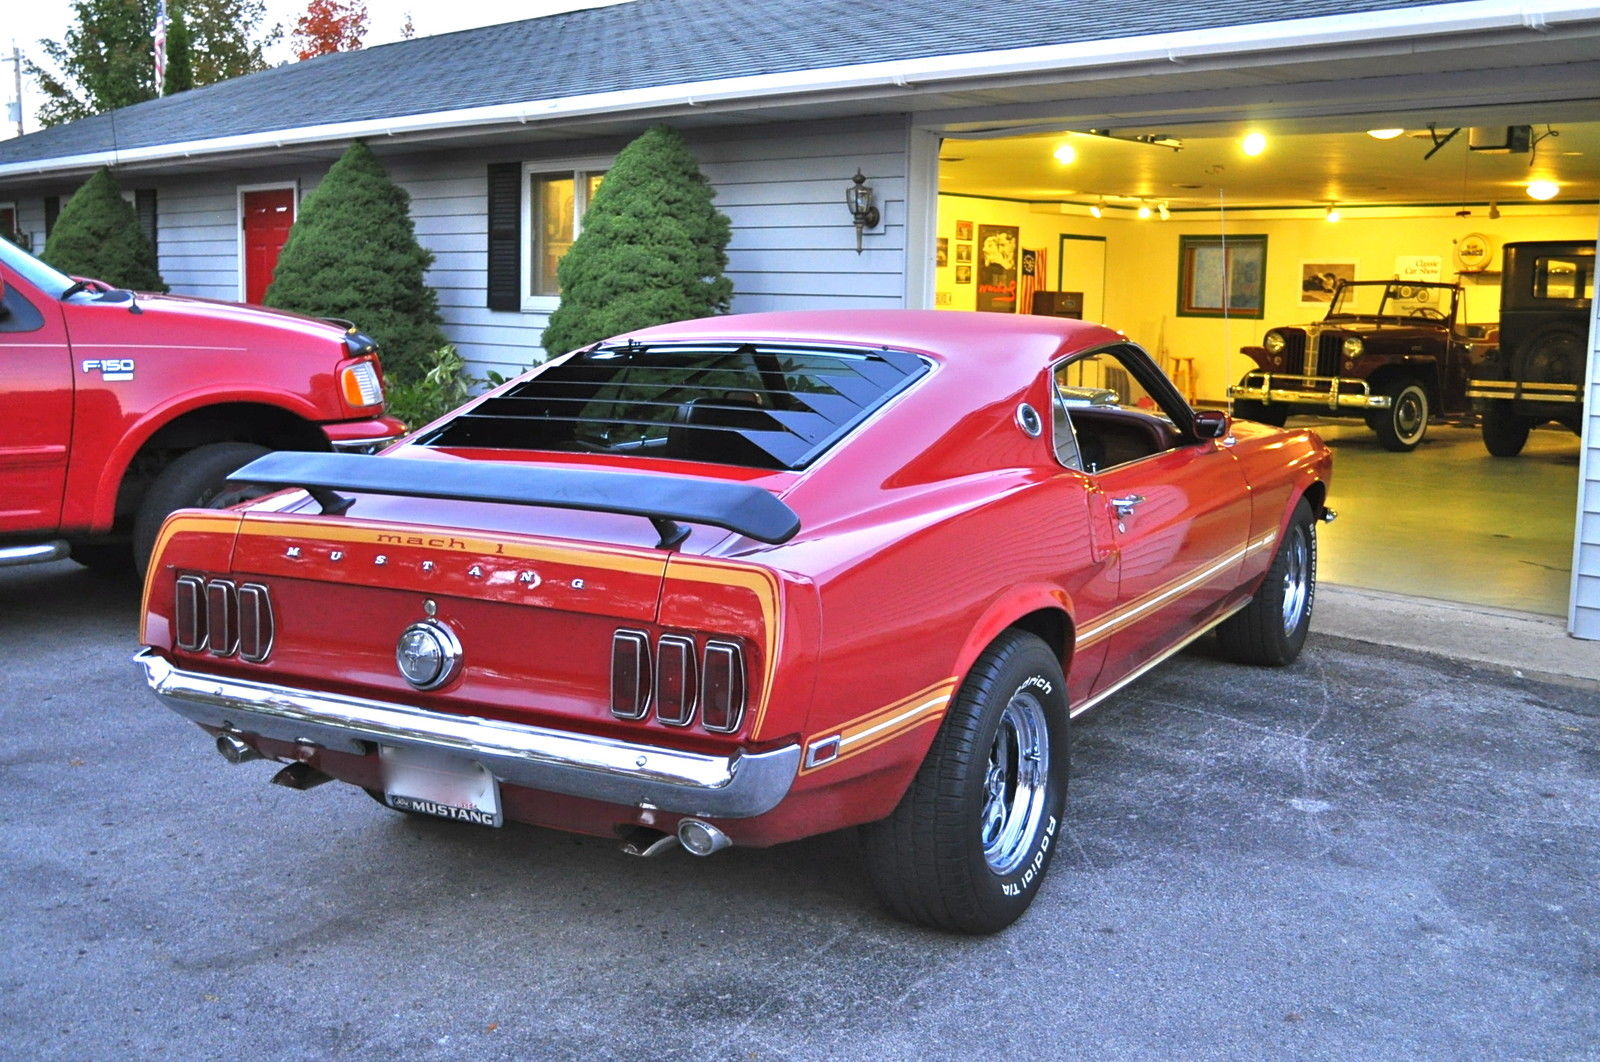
<point>744,580</point>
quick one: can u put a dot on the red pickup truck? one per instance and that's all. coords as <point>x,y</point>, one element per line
<point>117,408</point>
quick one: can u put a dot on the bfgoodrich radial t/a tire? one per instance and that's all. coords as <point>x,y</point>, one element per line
<point>972,838</point>
<point>1271,629</point>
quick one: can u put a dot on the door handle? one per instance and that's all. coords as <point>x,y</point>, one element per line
<point>1125,505</point>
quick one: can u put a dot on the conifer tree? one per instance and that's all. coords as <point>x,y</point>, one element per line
<point>98,235</point>
<point>353,254</point>
<point>652,248</point>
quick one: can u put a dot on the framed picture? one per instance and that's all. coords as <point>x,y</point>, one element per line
<point>942,255</point>
<point>963,274</point>
<point>963,252</point>
<point>997,268</point>
<point>963,230</point>
<point>1222,276</point>
<point>1318,279</point>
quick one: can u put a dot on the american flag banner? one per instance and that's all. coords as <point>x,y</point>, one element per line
<point>160,37</point>
<point>1033,274</point>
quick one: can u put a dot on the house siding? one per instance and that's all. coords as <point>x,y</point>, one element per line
<point>1584,621</point>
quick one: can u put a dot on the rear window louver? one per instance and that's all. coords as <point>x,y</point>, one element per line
<point>760,405</point>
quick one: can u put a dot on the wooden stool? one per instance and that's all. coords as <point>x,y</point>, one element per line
<point>1183,375</point>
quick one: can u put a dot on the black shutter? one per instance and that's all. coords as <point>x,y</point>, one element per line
<point>144,204</point>
<point>52,209</point>
<point>505,236</point>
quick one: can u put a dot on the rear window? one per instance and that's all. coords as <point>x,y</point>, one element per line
<point>756,405</point>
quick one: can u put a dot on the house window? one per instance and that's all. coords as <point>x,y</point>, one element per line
<point>535,213</point>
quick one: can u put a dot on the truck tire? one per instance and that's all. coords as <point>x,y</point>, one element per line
<point>1271,629</point>
<point>192,481</point>
<point>1402,426</point>
<point>971,840</point>
<point>1504,433</point>
<point>1260,412</point>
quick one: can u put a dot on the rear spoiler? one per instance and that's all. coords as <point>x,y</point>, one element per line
<point>663,499</point>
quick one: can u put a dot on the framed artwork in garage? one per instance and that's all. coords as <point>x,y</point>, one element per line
<point>1318,279</point>
<point>1222,276</point>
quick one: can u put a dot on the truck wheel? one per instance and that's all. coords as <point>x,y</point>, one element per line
<point>192,481</point>
<point>1260,412</point>
<point>1401,427</point>
<point>1271,629</point>
<point>971,839</point>
<point>1504,433</point>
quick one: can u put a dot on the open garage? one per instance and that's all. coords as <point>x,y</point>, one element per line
<point>1198,238</point>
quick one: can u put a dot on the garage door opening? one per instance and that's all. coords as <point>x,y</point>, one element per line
<point>1197,242</point>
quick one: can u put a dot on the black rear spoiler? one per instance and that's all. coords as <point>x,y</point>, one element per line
<point>662,499</point>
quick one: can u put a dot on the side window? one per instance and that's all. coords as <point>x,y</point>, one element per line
<point>1562,278</point>
<point>1105,415</point>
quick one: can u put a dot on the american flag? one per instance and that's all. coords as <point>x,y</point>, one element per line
<point>160,36</point>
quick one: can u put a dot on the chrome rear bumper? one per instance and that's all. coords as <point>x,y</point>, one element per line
<point>557,761</point>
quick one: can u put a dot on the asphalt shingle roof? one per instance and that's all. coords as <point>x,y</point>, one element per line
<point>638,45</point>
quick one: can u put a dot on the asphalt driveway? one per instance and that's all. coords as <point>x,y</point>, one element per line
<point>1371,854</point>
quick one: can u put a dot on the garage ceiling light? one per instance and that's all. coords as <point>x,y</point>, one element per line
<point>1097,210</point>
<point>1253,143</point>
<point>1385,134</point>
<point>1144,210</point>
<point>1543,189</point>
<point>1333,213</point>
<point>1066,154</point>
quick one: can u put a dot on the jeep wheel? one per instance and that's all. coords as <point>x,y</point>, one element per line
<point>971,839</point>
<point>1401,427</point>
<point>192,481</point>
<point>1504,433</point>
<point>1271,629</point>
<point>1260,412</point>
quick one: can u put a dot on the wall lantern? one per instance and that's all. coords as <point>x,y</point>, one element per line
<point>863,205</point>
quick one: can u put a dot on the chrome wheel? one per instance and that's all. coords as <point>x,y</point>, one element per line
<point>1014,783</point>
<point>1296,576</point>
<point>1410,412</point>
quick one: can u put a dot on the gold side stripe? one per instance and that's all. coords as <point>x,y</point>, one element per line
<point>934,704</point>
<point>1136,609</point>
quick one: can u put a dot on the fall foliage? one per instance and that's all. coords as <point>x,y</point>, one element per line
<point>329,26</point>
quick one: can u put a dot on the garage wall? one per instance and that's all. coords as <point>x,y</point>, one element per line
<point>1584,620</point>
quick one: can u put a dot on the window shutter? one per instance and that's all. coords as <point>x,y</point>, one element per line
<point>505,236</point>
<point>52,209</point>
<point>144,204</point>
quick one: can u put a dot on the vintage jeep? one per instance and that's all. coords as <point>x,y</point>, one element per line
<point>1536,374</point>
<point>1392,351</point>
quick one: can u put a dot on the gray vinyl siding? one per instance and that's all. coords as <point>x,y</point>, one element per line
<point>1584,621</point>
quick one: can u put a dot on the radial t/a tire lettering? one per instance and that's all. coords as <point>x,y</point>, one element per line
<point>969,843</point>
<point>1272,628</point>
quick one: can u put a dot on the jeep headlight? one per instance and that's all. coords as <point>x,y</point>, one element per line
<point>1274,342</point>
<point>1353,347</point>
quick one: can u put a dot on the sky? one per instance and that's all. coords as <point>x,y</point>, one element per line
<point>28,21</point>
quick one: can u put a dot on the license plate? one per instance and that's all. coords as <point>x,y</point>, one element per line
<point>437,783</point>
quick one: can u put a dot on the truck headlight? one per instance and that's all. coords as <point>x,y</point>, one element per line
<point>1274,342</point>
<point>1353,346</point>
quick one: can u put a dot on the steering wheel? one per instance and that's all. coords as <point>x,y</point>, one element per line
<point>1428,313</point>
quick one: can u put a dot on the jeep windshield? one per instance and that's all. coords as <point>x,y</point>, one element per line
<point>1393,300</point>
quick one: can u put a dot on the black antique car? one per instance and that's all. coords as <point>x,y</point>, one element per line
<point>1536,374</point>
<point>1394,352</point>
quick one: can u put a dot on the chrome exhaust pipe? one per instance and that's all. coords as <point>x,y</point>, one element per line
<point>235,751</point>
<point>644,842</point>
<point>701,838</point>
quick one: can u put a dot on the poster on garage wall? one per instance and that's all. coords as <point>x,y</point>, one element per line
<point>1427,268</point>
<point>997,268</point>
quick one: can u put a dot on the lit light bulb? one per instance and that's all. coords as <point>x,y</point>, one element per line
<point>1333,213</point>
<point>1096,212</point>
<point>1385,134</point>
<point>1253,144</point>
<point>1542,189</point>
<point>1066,154</point>
<point>1161,209</point>
<point>1144,210</point>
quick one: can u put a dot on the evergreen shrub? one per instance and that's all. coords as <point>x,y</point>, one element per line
<point>98,235</point>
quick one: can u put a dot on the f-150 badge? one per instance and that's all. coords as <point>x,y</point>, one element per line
<point>111,369</point>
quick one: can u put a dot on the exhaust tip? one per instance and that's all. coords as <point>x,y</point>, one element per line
<point>701,838</point>
<point>235,751</point>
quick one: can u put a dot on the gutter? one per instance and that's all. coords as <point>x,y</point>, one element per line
<point>1403,30</point>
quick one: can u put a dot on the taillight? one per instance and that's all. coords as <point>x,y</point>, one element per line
<point>360,385</point>
<point>255,623</point>
<point>630,674</point>
<point>188,613</point>
<point>676,682</point>
<point>722,696</point>
<point>222,618</point>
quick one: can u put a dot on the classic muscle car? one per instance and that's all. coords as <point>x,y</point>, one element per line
<point>1393,352</point>
<point>745,580</point>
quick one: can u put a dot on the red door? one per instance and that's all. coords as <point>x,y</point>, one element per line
<point>268,216</point>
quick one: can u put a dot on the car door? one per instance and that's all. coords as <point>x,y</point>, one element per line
<point>35,408</point>
<point>1173,512</point>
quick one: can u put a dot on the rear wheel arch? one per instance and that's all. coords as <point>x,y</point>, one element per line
<point>1041,611</point>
